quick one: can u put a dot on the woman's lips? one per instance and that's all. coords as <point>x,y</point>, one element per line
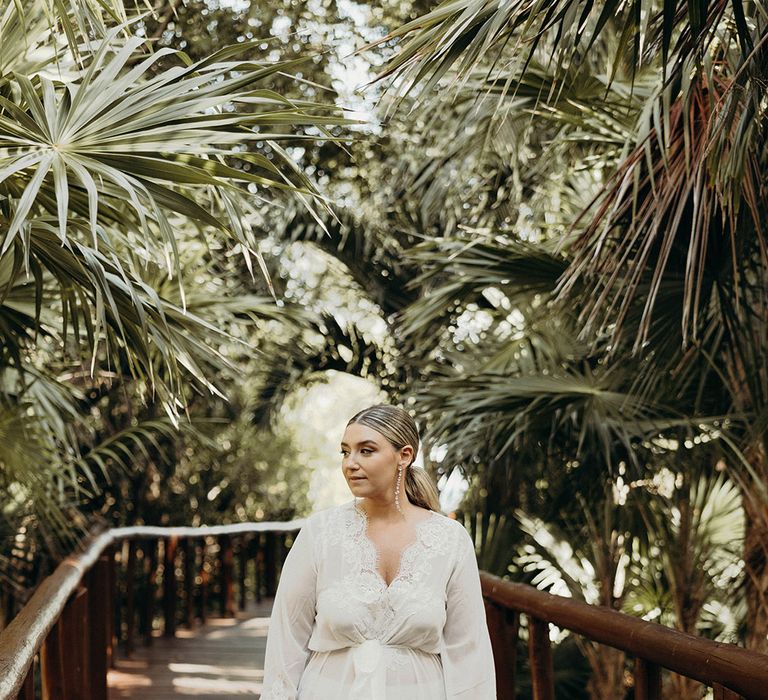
<point>357,478</point>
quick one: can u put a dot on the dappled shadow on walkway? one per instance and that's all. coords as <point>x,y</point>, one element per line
<point>223,659</point>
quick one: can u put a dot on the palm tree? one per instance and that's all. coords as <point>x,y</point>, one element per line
<point>667,257</point>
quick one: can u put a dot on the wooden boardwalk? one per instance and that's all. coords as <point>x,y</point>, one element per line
<point>223,659</point>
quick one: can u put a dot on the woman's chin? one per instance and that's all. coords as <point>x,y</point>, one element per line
<point>357,486</point>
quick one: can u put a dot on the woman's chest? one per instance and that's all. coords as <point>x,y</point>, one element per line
<point>378,586</point>
<point>390,547</point>
<point>400,577</point>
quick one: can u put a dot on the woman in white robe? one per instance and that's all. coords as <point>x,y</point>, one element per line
<point>379,599</point>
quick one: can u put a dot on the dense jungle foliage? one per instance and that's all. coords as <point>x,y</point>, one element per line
<point>539,225</point>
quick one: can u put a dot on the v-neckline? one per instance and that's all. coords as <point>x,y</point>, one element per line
<point>377,556</point>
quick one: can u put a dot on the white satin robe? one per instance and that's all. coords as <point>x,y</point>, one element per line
<point>338,632</point>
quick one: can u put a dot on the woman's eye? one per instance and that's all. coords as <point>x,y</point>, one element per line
<point>366,452</point>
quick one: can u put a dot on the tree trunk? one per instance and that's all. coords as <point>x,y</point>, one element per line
<point>746,370</point>
<point>682,688</point>
<point>687,585</point>
<point>607,665</point>
<point>756,572</point>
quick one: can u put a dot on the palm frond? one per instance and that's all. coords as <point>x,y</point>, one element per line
<point>591,405</point>
<point>103,303</point>
<point>120,450</point>
<point>459,270</point>
<point>323,344</point>
<point>31,475</point>
<point>120,136</point>
<point>462,36</point>
<point>36,35</point>
<point>670,223</point>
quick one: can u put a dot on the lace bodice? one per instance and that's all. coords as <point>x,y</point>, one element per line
<point>431,538</point>
<point>361,581</point>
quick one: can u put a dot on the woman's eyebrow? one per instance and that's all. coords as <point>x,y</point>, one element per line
<point>362,442</point>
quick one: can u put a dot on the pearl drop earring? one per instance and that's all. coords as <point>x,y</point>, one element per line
<point>397,488</point>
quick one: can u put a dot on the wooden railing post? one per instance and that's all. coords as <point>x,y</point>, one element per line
<point>647,680</point>
<point>113,606</point>
<point>270,564</point>
<point>204,578</point>
<point>28,689</point>
<point>75,646</point>
<point>98,623</point>
<point>242,570</point>
<point>188,553</point>
<point>51,665</point>
<point>169,586</point>
<point>65,667</point>
<point>227,582</point>
<point>148,607</point>
<point>540,659</point>
<point>503,630</point>
<point>258,566</point>
<point>130,599</point>
<point>720,692</point>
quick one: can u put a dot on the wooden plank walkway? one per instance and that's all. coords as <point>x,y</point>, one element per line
<point>223,659</point>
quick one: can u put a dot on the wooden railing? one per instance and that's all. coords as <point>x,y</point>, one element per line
<point>731,671</point>
<point>65,634</point>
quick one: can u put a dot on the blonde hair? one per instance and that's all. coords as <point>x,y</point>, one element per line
<point>397,426</point>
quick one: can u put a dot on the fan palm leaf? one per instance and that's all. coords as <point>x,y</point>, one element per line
<point>459,270</point>
<point>48,489</point>
<point>36,33</point>
<point>323,344</point>
<point>590,405</point>
<point>688,564</point>
<point>672,222</point>
<point>103,303</point>
<point>372,253</point>
<point>151,142</point>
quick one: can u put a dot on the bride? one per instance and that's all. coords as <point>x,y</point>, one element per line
<point>379,599</point>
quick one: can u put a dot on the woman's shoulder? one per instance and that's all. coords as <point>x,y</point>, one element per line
<point>334,511</point>
<point>447,521</point>
<point>453,531</point>
<point>324,517</point>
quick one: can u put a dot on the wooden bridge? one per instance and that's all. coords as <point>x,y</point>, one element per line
<point>223,658</point>
<point>82,635</point>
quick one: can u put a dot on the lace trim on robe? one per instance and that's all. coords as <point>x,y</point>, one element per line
<point>347,527</point>
<point>280,689</point>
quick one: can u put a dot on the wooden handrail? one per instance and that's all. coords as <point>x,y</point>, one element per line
<point>727,668</point>
<point>23,637</point>
<point>712,663</point>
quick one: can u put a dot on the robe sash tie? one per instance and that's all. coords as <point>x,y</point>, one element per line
<point>370,664</point>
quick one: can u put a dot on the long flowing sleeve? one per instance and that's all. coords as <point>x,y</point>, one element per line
<point>290,625</point>
<point>466,654</point>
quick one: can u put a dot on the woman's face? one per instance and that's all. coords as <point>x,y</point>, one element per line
<point>369,461</point>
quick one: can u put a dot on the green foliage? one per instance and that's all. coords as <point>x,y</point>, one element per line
<point>132,179</point>
<point>248,474</point>
<point>581,233</point>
